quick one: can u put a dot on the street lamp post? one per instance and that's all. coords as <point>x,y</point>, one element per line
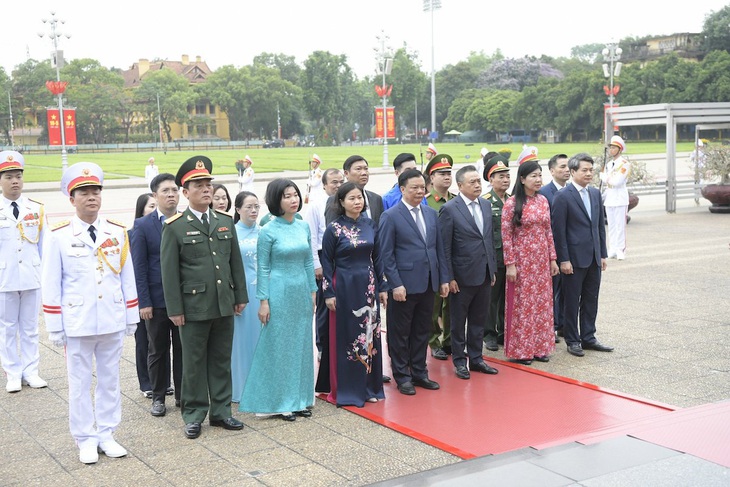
<point>385,63</point>
<point>611,68</point>
<point>432,5</point>
<point>55,36</point>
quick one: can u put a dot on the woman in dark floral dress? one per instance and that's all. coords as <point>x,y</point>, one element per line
<point>352,369</point>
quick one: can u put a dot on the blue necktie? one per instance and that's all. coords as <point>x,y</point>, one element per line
<point>16,211</point>
<point>586,201</point>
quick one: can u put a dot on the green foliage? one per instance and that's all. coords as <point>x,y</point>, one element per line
<point>715,30</point>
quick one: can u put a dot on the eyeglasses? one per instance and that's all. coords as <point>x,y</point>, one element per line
<point>251,207</point>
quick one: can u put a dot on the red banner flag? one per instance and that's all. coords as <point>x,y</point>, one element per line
<point>69,125</point>
<point>380,124</point>
<point>54,127</point>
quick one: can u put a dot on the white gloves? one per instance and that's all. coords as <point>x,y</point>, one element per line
<point>57,338</point>
<point>130,329</point>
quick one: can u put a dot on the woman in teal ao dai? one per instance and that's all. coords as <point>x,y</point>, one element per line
<point>246,326</point>
<point>353,282</point>
<point>281,379</point>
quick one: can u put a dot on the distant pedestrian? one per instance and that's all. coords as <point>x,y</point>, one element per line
<point>150,171</point>
<point>245,174</point>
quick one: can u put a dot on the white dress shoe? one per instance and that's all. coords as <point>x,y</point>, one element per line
<point>112,449</point>
<point>88,455</point>
<point>620,255</point>
<point>13,385</point>
<point>35,382</point>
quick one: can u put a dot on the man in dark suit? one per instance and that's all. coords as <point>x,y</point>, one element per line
<point>580,242</point>
<point>466,229</point>
<point>161,332</point>
<point>204,285</point>
<point>356,171</point>
<point>415,265</point>
<point>558,166</point>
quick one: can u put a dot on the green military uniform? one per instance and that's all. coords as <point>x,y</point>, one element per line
<point>494,332</point>
<point>203,279</point>
<point>440,333</point>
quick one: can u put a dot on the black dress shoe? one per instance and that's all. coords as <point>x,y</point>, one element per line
<point>158,408</point>
<point>407,389</point>
<point>491,344</point>
<point>598,346</point>
<point>288,417</point>
<point>483,368</point>
<point>523,361</point>
<point>304,413</point>
<point>542,358</point>
<point>170,391</point>
<point>426,384</point>
<point>439,354</point>
<point>462,372</point>
<point>386,379</point>
<point>192,430</point>
<point>557,337</point>
<point>559,331</point>
<point>177,403</point>
<point>227,424</point>
<point>575,349</point>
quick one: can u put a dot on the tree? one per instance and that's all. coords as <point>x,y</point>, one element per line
<point>408,83</point>
<point>587,53</point>
<point>712,80</point>
<point>97,95</point>
<point>326,81</point>
<point>286,65</point>
<point>175,98</point>
<point>715,30</point>
<point>30,95</point>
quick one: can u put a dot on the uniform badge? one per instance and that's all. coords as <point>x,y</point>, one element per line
<point>196,232</point>
<point>223,229</point>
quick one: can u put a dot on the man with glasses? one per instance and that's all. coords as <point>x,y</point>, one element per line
<point>161,332</point>
<point>356,170</point>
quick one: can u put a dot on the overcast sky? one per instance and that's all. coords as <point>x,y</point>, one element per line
<point>231,33</point>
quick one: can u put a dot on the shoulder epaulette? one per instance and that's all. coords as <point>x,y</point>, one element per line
<point>487,195</point>
<point>117,223</point>
<point>221,212</point>
<point>36,201</point>
<point>60,225</point>
<point>173,218</point>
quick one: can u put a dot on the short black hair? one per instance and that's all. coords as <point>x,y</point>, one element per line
<point>460,173</point>
<point>342,193</point>
<point>326,174</point>
<point>216,187</point>
<point>159,179</point>
<point>401,158</point>
<point>352,160</point>
<point>275,191</point>
<point>554,160</point>
<point>409,174</point>
<point>574,162</point>
<point>141,203</point>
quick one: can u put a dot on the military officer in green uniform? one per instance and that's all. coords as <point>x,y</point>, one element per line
<point>496,171</point>
<point>204,285</point>
<point>439,171</point>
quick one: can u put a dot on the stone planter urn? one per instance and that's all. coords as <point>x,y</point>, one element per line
<point>719,196</point>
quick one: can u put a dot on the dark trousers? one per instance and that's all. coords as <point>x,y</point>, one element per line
<point>469,309</point>
<point>581,303</point>
<point>206,347</point>
<point>141,350</point>
<point>495,316</point>
<point>409,328</point>
<point>161,333</point>
<point>322,316</point>
<point>558,303</point>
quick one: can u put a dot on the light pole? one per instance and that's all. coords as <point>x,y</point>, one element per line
<point>385,64</point>
<point>611,68</point>
<point>55,36</point>
<point>432,5</point>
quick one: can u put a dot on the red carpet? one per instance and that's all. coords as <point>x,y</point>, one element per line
<point>520,407</point>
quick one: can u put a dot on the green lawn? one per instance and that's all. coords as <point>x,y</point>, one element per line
<point>125,164</point>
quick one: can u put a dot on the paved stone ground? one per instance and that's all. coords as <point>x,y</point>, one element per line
<point>665,309</point>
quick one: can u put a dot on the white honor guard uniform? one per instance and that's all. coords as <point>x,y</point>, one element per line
<point>245,180</point>
<point>90,303</point>
<point>315,189</point>
<point>22,226</point>
<point>616,198</point>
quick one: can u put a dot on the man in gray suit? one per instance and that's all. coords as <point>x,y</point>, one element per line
<point>466,229</point>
